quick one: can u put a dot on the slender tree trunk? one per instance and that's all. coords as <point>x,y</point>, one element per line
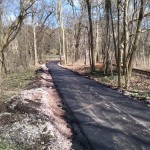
<point>35,46</point>
<point>64,48</point>
<point>126,42</point>
<point>88,2</point>
<point>97,41</point>
<point>62,30</point>
<point>84,43</point>
<point>1,36</point>
<point>60,49</point>
<point>143,51</point>
<point>97,34</point>
<point>113,31</point>
<point>119,50</point>
<point>34,38</point>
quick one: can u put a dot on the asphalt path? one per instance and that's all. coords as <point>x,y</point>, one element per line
<point>108,119</point>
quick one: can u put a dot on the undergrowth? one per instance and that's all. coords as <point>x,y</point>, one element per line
<point>139,84</point>
<point>5,145</point>
<point>12,84</point>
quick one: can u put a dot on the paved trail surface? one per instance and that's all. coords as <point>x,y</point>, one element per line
<point>109,120</point>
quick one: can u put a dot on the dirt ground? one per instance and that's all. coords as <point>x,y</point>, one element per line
<point>34,119</point>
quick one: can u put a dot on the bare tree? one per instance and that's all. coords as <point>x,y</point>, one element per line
<point>11,31</point>
<point>91,43</point>
<point>34,37</point>
<point>132,48</point>
<point>62,29</point>
<point>119,49</point>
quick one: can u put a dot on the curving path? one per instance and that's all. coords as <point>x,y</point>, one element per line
<point>108,119</point>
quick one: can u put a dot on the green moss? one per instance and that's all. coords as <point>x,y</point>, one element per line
<point>5,145</point>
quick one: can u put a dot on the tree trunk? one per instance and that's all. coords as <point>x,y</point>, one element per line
<point>126,41</point>
<point>35,46</point>
<point>62,30</point>
<point>119,50</point>
<point>60,49</point>
<point>106,51</point>
<point>97,33</point>
<point>34,38</point>
<point>113,31</point>
<point>91,44</point>
<point>64,48</point>
<point>131,54</point>
<point>1,37</point>
<point>3,67</point>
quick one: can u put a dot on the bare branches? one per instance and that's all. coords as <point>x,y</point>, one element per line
<point>143,31</point>
<point>136,19</point>
<point>11,32</point>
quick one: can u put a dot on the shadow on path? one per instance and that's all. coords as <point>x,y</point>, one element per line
<point>108,119</point>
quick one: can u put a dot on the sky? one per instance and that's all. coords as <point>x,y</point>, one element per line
<point>76,3</point>
<point>11,8</point>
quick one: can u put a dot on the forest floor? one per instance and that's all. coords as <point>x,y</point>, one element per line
<point>139,84</point>
<point>31,113</point>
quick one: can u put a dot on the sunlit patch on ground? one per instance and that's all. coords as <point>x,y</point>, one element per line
<point>33,119</point>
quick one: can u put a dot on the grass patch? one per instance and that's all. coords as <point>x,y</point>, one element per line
<point>4,145</point>
<point>13,83</point>
<point>139,86</point>
<point>140,94</point>
<point>103,78</point>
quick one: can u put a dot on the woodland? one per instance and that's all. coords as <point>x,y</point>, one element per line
<point>112,32</point>
<point>106,40</point>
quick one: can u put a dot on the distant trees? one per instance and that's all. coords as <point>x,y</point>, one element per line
<point>40,15</point>
<point>8,33</point>
<point>27,30</point>
<point>121,26</point>
<point>85,31</point>
<point>132,32</point>
<point>62,30</point>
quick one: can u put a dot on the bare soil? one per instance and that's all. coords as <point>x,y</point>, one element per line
<point>34,119</point>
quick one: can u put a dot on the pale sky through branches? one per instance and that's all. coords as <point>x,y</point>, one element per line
<point>76,3</point>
